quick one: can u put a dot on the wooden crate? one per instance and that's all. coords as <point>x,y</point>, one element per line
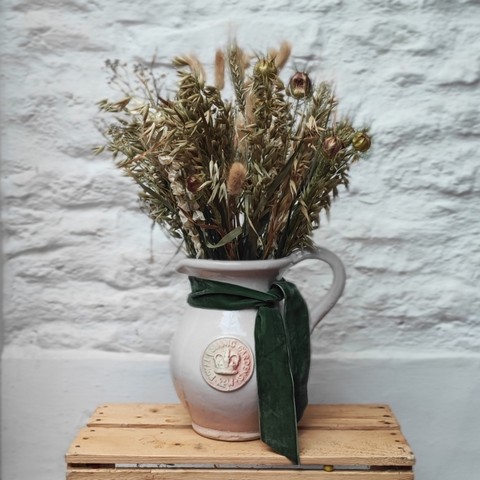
<point>156,442</point>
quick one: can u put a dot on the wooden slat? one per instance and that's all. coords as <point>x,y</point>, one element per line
<point>175,416</point>
<point>237,474</point>
<point>349,417</point>
<point>183,446</point>
<point>140,415</point>
<point>141,440</point>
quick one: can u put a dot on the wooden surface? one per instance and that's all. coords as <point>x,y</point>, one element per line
<point>150,442</point>
<point>231,474</point>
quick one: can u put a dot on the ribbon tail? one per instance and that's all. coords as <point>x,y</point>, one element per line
<point>276,386</point>
<point>297,326</point>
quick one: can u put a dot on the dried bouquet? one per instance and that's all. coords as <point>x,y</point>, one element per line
<point>242,178</point>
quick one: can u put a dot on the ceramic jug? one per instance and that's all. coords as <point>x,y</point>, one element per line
<point>212,354</point>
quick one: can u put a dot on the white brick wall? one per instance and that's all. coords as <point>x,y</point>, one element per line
<point>78,274</point>
<point>77,249</point>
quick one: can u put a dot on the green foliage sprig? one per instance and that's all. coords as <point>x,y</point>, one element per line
<point>233,179</point>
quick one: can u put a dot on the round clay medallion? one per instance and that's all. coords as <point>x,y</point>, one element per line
<point>227,364</point>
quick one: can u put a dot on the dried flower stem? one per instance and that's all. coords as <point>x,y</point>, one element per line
<point>243,179</point>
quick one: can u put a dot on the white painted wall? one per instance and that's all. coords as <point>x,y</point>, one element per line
<point>88,316</point>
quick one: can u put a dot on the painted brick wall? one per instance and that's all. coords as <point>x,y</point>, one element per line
<point>81,268</point>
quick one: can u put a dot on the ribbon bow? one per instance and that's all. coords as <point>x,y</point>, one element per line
<point>282,351</point>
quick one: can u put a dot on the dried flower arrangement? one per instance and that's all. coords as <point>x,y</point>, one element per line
<point>245,178</point>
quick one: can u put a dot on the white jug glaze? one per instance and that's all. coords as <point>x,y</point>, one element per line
<point>212,355</point>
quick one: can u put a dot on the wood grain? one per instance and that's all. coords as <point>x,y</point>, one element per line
<point>143,442</point>
<point>237,474</point>
<point>175,416</point>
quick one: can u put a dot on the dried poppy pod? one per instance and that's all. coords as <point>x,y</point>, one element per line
<point>299,86</point>
<point>332,145</point>
<point>361,142</point>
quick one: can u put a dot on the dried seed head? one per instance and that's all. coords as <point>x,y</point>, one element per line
<point>244,58</point>
<point>265,67</point>
<point>193,63</point>
<point>249,109</point>
<point>236,178</point>
<point>219,69</point>
<point>332,145</point>
<point>361,142</point>
<point>193,184</point>
<point>239,60</point>
<point>240,137</point>
<point>300,86</point>
<point>283,55</point>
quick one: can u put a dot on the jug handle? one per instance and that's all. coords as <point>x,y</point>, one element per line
<point>336,288</point>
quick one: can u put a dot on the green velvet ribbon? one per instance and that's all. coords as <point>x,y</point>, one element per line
<point>282,350</point>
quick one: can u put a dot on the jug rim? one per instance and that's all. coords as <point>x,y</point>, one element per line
<point>185,265</point>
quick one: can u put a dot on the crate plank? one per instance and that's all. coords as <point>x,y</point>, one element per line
<point>156,442</point>
<point>177,446</point>
<point>140,415</point>
<point>175,416</point>
<point>349,417</point>
<point>237,474</point>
